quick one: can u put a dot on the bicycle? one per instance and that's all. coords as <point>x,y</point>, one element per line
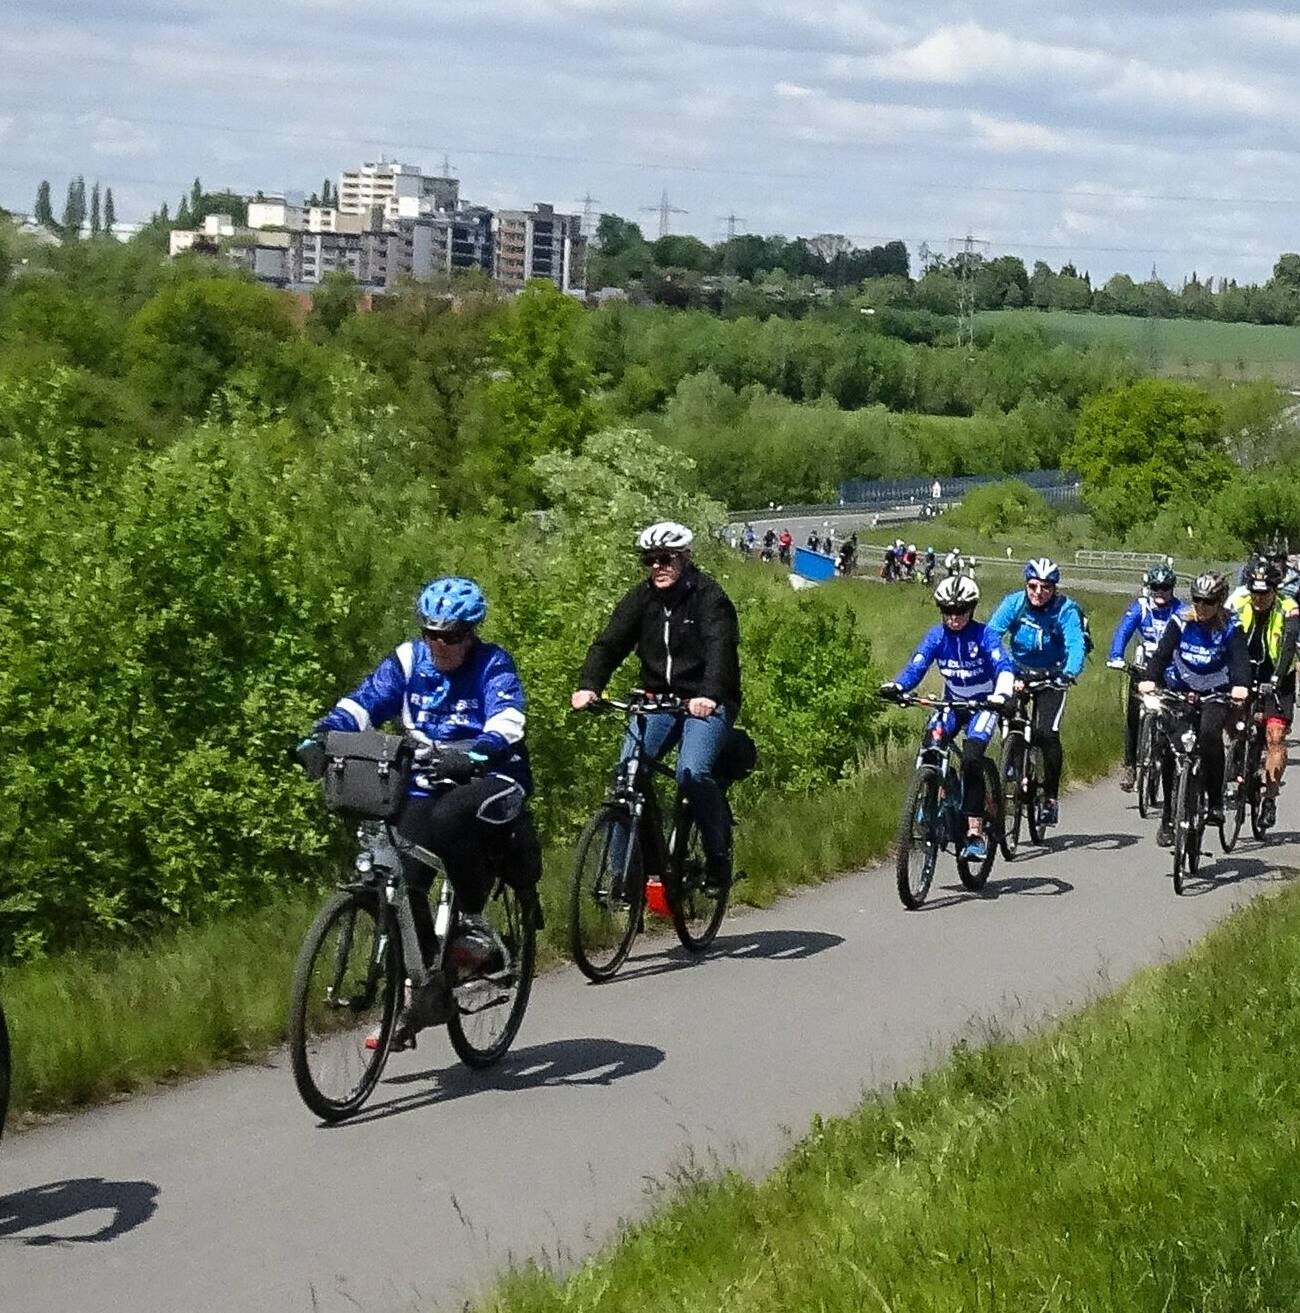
<point>1147,783</point>
<point>1021,770</point>
<point>932,816</point>
<point>624,845</point>
<point>1244,771</point>
<point>360,965</point>
<point>1190,806</point>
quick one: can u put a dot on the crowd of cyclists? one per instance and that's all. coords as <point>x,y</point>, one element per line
<point>463,695</point>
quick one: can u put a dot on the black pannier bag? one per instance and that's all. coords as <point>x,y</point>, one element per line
<point>366,773</point>
<point>738,757</point>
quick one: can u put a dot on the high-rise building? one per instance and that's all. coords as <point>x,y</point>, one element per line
<point>538,243</point>
<point>398,191</point>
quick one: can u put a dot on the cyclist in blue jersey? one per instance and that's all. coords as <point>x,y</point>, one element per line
<point>1042,631</point>
<point>1203,650</point>
<point>464,696</point>
<point>1146,619</point>
<point>974,668</point>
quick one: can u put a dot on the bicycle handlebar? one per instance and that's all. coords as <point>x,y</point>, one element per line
<point>948,704</point>
<point>640,702</point>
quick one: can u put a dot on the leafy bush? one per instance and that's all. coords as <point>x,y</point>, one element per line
<point>998,508</point>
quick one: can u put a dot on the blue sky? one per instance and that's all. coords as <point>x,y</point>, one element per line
<point>1119,136</point>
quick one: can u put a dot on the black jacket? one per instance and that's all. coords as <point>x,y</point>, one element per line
<point>688,641</point>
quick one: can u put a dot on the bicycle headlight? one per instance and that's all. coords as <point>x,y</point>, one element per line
<point>1151,701</point>
<point>1188,739</point>
<point>365,862</point>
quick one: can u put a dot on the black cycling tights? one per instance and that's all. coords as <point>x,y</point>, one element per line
<point>973,789</point>
<point>1214,716</point>
<point>457,824</point>
<point>1049,708</point>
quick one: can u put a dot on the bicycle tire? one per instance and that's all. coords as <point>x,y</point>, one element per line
<point>923,798</point>
<point>696,916</point>
<point>316,1018</point>
<point>1255,790</point>
<point>1034,797</point>
<point>1013,802</point>
<point>514,919</point>
<point>1234,817</point>
<point>974,875</point>
<point>601,915</point>
<point>1147,772</point>
<point>6,1070</point>
<point>1186,835</point>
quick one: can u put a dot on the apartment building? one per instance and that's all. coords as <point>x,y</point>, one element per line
<point>276,212</point>
<point>396,190</point>
<point>538,243</point>
<point>364,255</point>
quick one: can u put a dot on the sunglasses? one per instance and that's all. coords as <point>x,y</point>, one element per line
<point>652,559</point>
<point>451,637</point>
<point>1039,586</point>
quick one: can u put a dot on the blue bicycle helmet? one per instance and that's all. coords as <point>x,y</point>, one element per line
<point>451,601</point>
<point>1042,567</point>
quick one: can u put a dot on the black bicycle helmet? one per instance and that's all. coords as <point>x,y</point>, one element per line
<point>1210,587</point>
<point>1262,577</point>
<point>1160,578</point>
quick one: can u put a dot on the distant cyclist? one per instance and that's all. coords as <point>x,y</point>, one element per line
<point>785,545</point>
<point>683,627</point>
<point>889,571</point>
<point>927,567</point>
<point>1271,622</point>
<point>954,563</point>
<point>974,667</point>
<point>1146,619</point>
<point>1043,632</point>
<point>1203,650</point>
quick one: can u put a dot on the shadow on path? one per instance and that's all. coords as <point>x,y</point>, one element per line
<point>560,1063</point>
<point>1033,886</point>
<point>1101,843</point>
<point>1232,868</point>
<point>130,1202</point>
<point>756,946</point>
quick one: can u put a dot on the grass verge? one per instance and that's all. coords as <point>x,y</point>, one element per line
<point>89,1026</point>
<point>1141,1155</point>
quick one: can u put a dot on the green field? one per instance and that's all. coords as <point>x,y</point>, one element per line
<point>1179,347</point>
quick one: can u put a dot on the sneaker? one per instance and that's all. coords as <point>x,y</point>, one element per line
<point>1051,812</point>
<point>1165,834</point>
<point>1127,779</point>
<point>976,849</point>
<point>476,950</point>
<point>1268,813</point>
<point>717,876</point>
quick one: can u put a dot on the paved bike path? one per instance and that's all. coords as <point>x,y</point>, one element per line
<point>224,1194</point>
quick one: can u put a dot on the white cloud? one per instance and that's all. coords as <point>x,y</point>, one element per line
<point>117,137</point>
<point>792,90</point>
<point>1016,135</point>
<point>1141,83</point>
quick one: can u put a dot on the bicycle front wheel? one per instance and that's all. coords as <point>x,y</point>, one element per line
<point>1255,791</point>
<point>1187,828</point>
<point>1013,800</point>
<point>490,1007</point>
<point>1235,816</point>
<point>697,915</point>
<point>343,1004</point>
<point>606,892</point>
<point>1034,796</point>
<point>1148,772</point>
<point>918,839</point>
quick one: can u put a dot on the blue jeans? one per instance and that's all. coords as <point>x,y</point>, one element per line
<point>700,743</point>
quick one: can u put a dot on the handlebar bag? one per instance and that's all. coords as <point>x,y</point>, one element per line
<point>738,757</point>
<point>366,773</point>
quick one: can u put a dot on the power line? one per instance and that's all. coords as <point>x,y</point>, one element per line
<point>665,211</point>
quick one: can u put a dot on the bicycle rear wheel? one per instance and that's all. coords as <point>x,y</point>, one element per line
<point>345,986</point>
<point>606,892</point>
<point>490,1007</point>
<point>1148,773</point>
<point>1234,817</point>
<point>1255,790</point>
<point>696,914</point>
<point>918,839</point>
<point>1187,827</point>
<point>1013,802</point>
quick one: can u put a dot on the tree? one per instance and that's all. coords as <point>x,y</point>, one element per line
<point>1287,271</point>
<point>42,211</point>
<point>110,214</point>
<point>1042,286</point>
<point>95,224</point>
<point>332,303</point>
<point>1141,447</point>
<point>184,219</point>
<point>678,251</point>
<point>164,215</point>
<point>326,193</point>
<point>74,208</point>
<point>196,198</point>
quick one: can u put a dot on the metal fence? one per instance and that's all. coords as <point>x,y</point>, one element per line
<point>875,492</point>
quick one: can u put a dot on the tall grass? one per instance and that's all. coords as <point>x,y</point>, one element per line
<point>1140,1157</point>
<point>89,1025</point>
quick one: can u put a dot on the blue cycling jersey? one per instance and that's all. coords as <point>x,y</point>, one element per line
<point>479,707</point>
<point>1200,662</point>
<point>970,660</point>
<point>1148,621</point>
<point>1041,640</point>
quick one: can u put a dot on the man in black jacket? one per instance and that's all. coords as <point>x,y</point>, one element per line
<point>684,629</point>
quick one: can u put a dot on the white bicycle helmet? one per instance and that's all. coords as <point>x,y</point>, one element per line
<point>957,593</point>
<point>667,535</point>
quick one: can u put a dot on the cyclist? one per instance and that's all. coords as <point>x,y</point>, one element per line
<point>814,542</point>
<point>909,561</point>
<point>1043,632</point>
<point>1271,622</point>
<point>747,540</point>
<point>769,544</point>
<point>684,629</point>
<point>464,696</point>
<point>927,573</point>
<point>1146,617</point>
<point>954,563</point>
<point>785,544</point>
<point>1203,650</point>
<point>974,667</point>
<point>889,571</point>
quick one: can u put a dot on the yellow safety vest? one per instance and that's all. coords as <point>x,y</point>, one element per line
<point>1283,609</point>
